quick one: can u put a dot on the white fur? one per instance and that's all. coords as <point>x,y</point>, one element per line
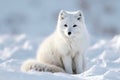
<point>63,51</point>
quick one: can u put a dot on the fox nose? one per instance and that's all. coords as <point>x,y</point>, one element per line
<point>69,33</point>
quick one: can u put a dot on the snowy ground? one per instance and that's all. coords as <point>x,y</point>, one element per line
<point>103,59</point>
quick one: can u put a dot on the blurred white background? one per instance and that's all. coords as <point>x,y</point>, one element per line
<point>39,17</point>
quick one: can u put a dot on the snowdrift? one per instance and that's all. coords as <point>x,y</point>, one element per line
<point>103,60</point>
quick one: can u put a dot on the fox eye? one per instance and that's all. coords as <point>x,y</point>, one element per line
<point>80,15</point>
<point>65,25</point>
<point>62,17</point>
<point>74,25</point>
<point>78,18</point>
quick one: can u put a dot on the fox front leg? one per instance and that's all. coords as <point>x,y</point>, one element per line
<point>67,62</point>
<point>79,63</point>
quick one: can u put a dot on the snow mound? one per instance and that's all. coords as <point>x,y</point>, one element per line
<point>103,60</point>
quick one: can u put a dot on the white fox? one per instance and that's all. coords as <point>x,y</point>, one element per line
<point>64,50</point>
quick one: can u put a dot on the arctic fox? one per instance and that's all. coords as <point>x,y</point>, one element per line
<point>64,50</point>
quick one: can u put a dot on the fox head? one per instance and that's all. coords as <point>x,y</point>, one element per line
<point>70,23</point>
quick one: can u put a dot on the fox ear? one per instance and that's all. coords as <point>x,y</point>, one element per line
<point>80,14</point>
<point>62,14</point>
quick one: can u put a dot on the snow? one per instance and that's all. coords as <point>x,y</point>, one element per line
<point>102,57</point>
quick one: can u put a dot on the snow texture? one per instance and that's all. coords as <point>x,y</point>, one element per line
<point>103,60</point>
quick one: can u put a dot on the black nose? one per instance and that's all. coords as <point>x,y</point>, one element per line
<point>69,33</point>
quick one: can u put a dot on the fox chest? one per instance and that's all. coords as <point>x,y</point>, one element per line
<point>73,48</point>
<point>69,48</point>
